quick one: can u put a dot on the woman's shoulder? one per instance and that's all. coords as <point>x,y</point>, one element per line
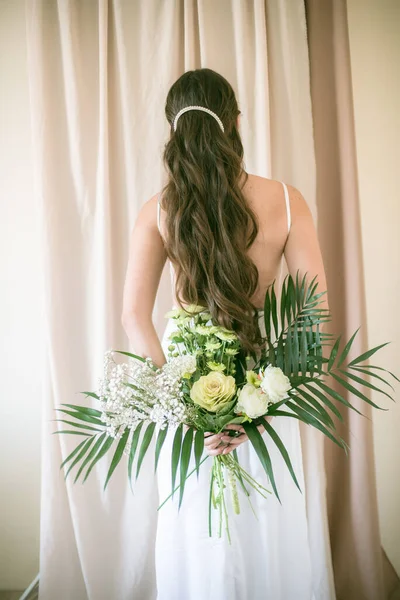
<point>270,184</point>
<point>149,214</point>
<point>262,188</point>
<point>256,181</point>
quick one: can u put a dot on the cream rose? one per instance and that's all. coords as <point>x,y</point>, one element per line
<point>252,401</point>
<point>213,391</point>
<point>275,383</point>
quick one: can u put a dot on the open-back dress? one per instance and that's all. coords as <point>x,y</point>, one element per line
<point>270,557</point>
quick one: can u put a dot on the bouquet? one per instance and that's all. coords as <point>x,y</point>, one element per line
<point>210,382</point>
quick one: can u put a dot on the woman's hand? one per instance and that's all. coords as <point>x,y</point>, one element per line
<point>223,443</point>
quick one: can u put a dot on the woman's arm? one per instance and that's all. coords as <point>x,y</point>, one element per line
<point>147,258</point>
<point>302,249</point>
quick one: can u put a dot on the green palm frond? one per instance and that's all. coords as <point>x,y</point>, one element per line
<point>316,363</point>
<point>295,343</point>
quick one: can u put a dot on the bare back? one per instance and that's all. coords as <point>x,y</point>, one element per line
<point>147,254</point>
<point>270,202</point>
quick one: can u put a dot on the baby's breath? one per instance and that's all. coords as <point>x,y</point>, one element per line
<point>135,391</point>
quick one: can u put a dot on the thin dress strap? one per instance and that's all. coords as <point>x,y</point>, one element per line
<point>289,218</point>
<point>289,222</point>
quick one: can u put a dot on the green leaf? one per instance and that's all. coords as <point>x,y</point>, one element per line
<point>70,432</point>
<point>176,452</point>
<point>267,315</point>
<point>132,453</point>
<point>239,475</point>
<point>185,459</point>
<point>380,369</point>
<point>372,374</point>
<point>290,301</point>
<point>222,421</point>
<point>81,454</point>
<point>131,355</point>
<point>288,352</point>
<point>324,415</point>
<point>293,299</point>
<point>81,417</point>
<point>178,486</point>
<point>262,453</point>
<point>303,290</point>
<point>315,313</point>
<point>296,350</point>
<point>148,434</point>
<point>279,444</point>
<point>367,354</point>
<point>226,408</point>
<point>284,413</point>
<point>108,442</point>
<point>279,353</point>
<point>271,353</point>
<point>363,381</point>
<point>315,423</point>
<point>297,288</point>
<point>336,395</point>
<point>317,297</point>
<point>237,420</point>
<point>75,451</point>
<point>274,313</point>
<point>162,434</point>
<point>78,425</point>
<point>311,289</point>
<point>312,348</point>
<point>303,351</point>
<point>91,455</point>
<point>318,351</point>
<point>198,449</point>
<point>85,409</point>
<point>346,349</point>
<point>117,455</point>
<point>318,413</point>
<point>92,395</point>
<point>324,399</point>
<point>283,305</point>
<point>355,391</point>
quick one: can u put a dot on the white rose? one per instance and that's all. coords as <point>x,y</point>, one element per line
<point>275,383</point>
<point>252,401</point>
<point>188,364</point>
<point>181,366</point>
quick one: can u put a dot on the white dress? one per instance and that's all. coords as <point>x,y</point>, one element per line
<point>269,556</point>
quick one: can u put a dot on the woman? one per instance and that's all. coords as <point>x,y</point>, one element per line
<point>225,233</point>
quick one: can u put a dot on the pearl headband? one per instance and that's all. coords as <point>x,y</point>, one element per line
<point>207,110</point>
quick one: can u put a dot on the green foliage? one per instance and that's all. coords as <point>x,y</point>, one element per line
<point>184,460</point>
<point>162,434</point>
<point>293,342</point>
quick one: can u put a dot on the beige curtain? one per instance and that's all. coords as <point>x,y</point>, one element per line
<point>362,570</point>
<point>99,74</point>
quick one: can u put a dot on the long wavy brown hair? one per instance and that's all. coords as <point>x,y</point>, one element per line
<point>209,224</point>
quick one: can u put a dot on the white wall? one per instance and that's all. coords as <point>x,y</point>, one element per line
<point>374,27</point>
<point>20,315</point>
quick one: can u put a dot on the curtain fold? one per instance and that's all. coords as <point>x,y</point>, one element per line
<point>99,75</point>
<point>358,559</point>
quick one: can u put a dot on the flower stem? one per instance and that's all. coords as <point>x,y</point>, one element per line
<point>210,502</point>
